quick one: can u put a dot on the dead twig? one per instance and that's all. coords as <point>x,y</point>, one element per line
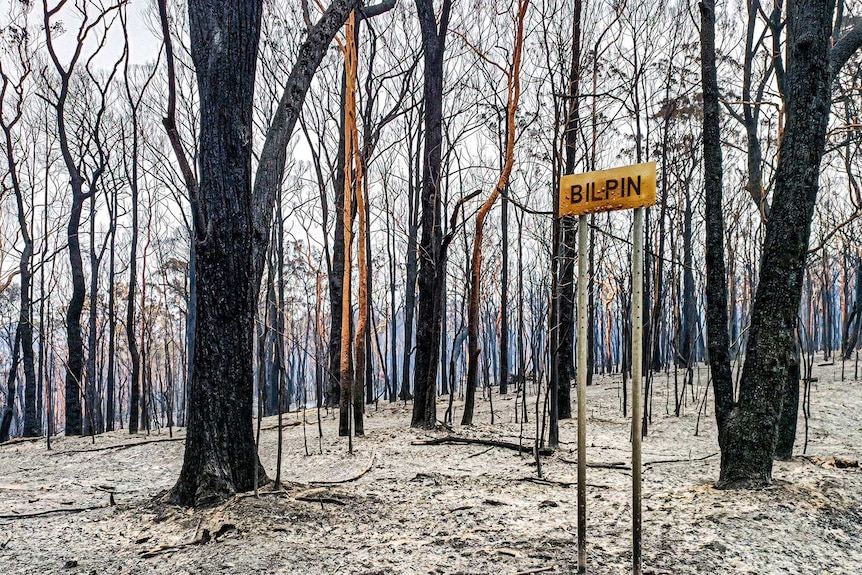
<point>349,479</point>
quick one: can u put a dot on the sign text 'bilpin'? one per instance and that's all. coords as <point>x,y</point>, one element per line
<point>607,190</point>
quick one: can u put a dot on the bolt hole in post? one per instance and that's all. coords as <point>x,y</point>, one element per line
<point>628,187</point>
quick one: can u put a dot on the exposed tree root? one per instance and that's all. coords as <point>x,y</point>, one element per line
<point>202,540</point>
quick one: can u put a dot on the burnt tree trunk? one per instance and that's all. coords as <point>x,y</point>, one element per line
<point>431,254</point>
<point>336,271</point>
<point>24,331</point>
<point>854,317</point>
<point>748,427</point>
<point>110,415</point>
<point>232,234</point>
<point>718,339</point>
<point>504,294</point>
<point>411,271</point>
<point>220,457</point>
<point>8,410</point>
<point>131,337</point>
<point>569,234</point>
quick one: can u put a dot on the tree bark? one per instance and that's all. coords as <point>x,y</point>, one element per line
<point>504,294</point>
<point>718,340</point>
<point>568,232</point>
<point>8,410</point>
<point>513,95</point>
<point>24,331</point>
<point>431,254</point>
<point>220,457</point>
<point>748,431</point>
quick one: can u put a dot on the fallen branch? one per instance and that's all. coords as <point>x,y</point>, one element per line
<point>311,496</point>
<point>117,446</point>
<point>832,462</point>
<point>349,479</point>
<point>283,426</point>
<point>321,500</point>
<point>452,440</point>
<point>539,570</point>
<point>648,463</point>
<point>565,484</point>
<point>17,440</point>
<point>619,466</point>
<point>483,452</point>
<point>51,512</point>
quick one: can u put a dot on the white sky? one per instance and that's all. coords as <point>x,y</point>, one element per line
<point>144,43</point>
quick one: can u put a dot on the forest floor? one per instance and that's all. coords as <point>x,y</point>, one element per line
<point>446,509</point>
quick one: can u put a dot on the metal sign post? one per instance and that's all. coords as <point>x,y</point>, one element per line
<point>637,374</point>
<point>583,238</point>
<point>581,194</point>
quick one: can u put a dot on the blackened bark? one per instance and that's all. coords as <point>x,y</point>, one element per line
<point>566,310</point>
<point>718,340</point>
<point>24,331</point>
<point>75,358</point>
<point>504,294</point>
<point>392,381</point>
<point>431,254</point>
<point>93,405</point>
<point>569,233</point>
<point>112,318</point>
<point>411,271</point>
<point>789,410</point>
<point>854,318</point>
<point>32,417</point>
<point>8,410</point>
<point>131,336</point>
<point>748,434</point>
<point>220,456</point>
<point>688,325</point>
<point>336,271</point>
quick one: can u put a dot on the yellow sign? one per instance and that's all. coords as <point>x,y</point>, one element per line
<point>607,190</point>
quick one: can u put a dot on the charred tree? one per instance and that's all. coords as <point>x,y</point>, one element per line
<point>232,223</point>
<point>24,331</point>
<point>513,95</point>
<point>220,457</point>
<point>568,233</point>
<point>84,179</point>
<point>431,254</point>
<point>748,425</point>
